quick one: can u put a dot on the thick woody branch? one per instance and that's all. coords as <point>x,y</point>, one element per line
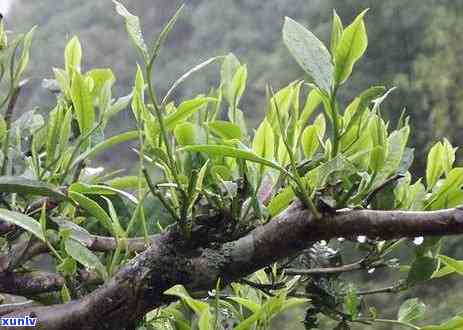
<point>25,250</point>
<point>25,284</point>
<point>138,287</point>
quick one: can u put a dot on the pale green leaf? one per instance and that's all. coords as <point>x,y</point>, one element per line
<point>27,223</point>
<point>85,257</point>
<point>73,56</point>
<point>100,77</point>
<point>310,141</point>
<point>106,144</point>
<point>434,165</point>
<point>81,95</point>
<point>238,84</point>
<point>25,55</point>
<point>411,310</point>
<point>350,48</point>
<point>455,323</point>
<point>15,184</point>
<point>138,99</point>
<point>448,155</point>
<point>132,24</point>
<point>456,265</point>
<point>352,302</point>
<point>421,270</point>
<point>228,69</point>
<point>226,151</point>
<point>336,31</point>
<point>264,141</point>
<point>187,74</point>
<point>2,128</point>
<point>310,53</point>
<point>449,193</point>
<point>225,129</point>
<point>93,208</point>
<point>314,99</point>
<point>186,134</point>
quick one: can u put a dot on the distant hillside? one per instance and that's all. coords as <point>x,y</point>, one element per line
<point>399,37</point>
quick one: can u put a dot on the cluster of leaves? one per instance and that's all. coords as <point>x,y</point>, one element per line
<point>211,172</point>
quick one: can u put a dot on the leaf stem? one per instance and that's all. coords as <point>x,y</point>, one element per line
<point>334,115</point>
<point>296,178</point>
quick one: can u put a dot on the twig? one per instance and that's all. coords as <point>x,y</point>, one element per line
<point>389,289</point>
<point>157,194</point>
<point>328,270</point>
<point>265,288</point>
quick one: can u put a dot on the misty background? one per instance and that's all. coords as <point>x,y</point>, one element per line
<point>415,45</point>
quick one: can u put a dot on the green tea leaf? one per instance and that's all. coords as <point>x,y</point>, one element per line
<point>455,323</point>
<point>201,309</point>
<point>350,48</point>
<point>310,53</point>
<point>336,31</point>
<point>125,182</point>
<point>310,141</point>
<point>357,108</point>
<point>226,151</point>
<point>421,270</point>
<point>238,84</point>
<point>54,128</point>
<point>138,99</point>
<point>449,193</point>
<point>163,36</point>
<point>248,303</point>
<point>434,168</point>
<point>187,74</point>
<point>85,257</point>
<point>25,55</point>
<point>314,99</point>
<point>2,128</point>
<point>15,184</point>
<point>352,302</point>
<point>81,95</point>
<point>100,77</point>
<point>448,155</point>
<point>264,141</point>
<point>73,56</point>
<point>121,104</point>
<point>280,201</point>
<point>185,134</point>
<point>229,67</point>
<point>411,310</point>
<point>456,265</point>
<point>132,24</point>
<point>185,110</point>
<point>106,144</point>
<point>27,223</point>
<point>225,129</point>
<point>93,208</point>
<point>377,157</point>
<point>65,294</point>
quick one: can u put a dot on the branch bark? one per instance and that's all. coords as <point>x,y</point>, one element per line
<point>25,284</point>
<point>138,287</point>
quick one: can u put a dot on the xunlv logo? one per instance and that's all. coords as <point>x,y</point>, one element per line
<point>18,321</point>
